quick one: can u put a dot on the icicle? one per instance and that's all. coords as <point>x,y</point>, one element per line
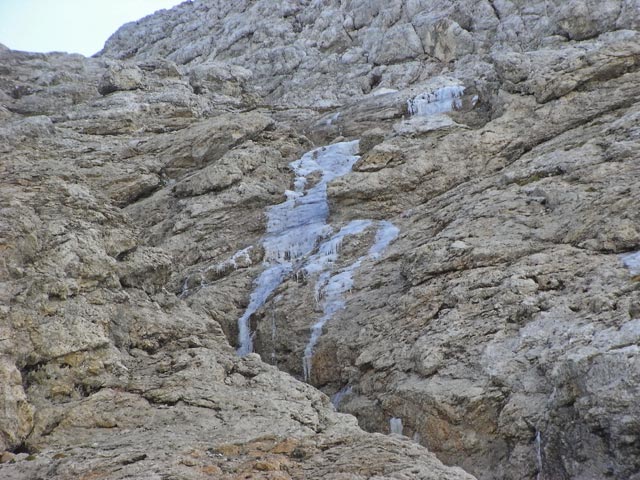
<point>328,250</point>
<point>539,476</point>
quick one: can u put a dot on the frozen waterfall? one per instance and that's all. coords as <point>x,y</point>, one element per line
<point>299,239</point>
<point>395,426</point>
<point>295,226</point>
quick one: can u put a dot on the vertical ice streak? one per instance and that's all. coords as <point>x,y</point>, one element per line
<point>266,283</point>
<point>539,455</point>
<point>395,425</point>
<point>387,233</point>
<point>332,301</point>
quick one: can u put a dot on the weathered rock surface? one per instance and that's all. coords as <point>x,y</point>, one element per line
<point>104,371</point>
<point>502,326</point>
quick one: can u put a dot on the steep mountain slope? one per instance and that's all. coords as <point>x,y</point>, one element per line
<point>471,283</point>
<point>106,373</point>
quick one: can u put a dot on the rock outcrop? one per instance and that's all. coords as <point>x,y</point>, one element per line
<point>500,327</point>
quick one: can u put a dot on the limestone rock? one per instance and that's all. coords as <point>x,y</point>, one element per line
<point>17,420</point>
<point>498,329</point>
<point>443,38</point>
<point>218,78</point>
<point>120,77</point>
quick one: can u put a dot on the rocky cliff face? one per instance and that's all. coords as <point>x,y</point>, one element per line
<point>459,266</point>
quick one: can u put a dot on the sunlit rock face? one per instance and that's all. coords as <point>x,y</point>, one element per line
<point>241,216</point>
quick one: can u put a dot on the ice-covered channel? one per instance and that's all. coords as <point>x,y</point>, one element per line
<point>299,239</point>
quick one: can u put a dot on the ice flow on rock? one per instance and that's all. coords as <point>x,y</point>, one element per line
<point>294,230</point>
<point>330,287</point>
<point>295,226</point>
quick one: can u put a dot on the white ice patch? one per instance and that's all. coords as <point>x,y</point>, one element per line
<point>387,233</point>
<point>441,100</point>
<point>632,262</point>
<point>295,226</point>
<point>395,425</point>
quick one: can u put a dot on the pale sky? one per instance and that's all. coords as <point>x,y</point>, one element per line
<point>75,26</point>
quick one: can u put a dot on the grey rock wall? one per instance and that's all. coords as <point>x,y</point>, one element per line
<point>501,326</point>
